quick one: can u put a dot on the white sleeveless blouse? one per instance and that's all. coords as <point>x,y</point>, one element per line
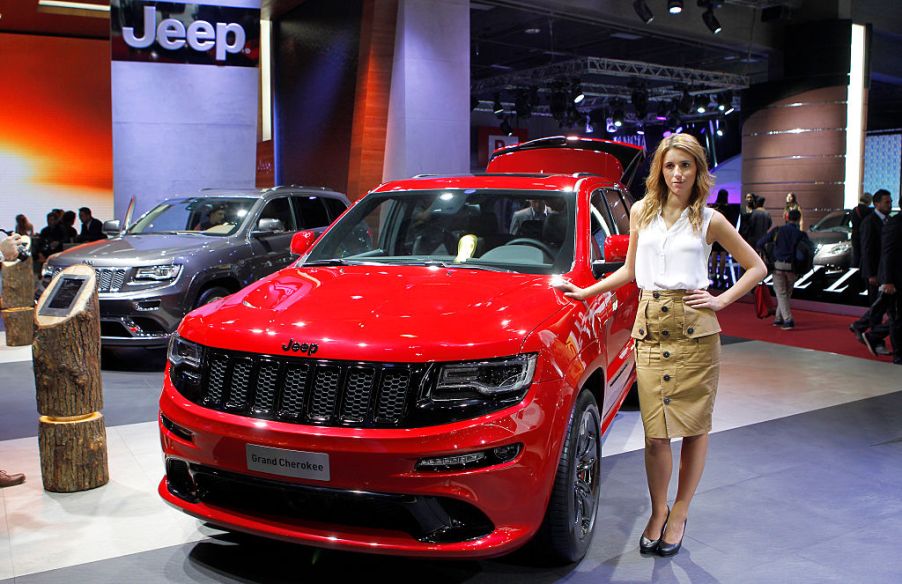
<point>675,258</point>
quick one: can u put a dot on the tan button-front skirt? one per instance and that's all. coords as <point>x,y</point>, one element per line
<point>678,364</point>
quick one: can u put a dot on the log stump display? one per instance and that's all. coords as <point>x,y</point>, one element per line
<point>17,299</point>
<point>73,453</point>
<point>19,325</point>
<point>69,389</point>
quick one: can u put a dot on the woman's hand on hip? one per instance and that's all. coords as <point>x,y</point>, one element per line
<point>703,299</point>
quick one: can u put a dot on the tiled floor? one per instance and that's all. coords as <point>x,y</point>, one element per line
<point>802,479</point>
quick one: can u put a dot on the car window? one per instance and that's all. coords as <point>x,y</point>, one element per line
<point>335,206</point>
<point>276,216</point>
<point>309,211</point>
<point>600,232</point>
<point>835,221</point>
<point>619,211</point>
<point>599,205</point>
<point>205,215</point>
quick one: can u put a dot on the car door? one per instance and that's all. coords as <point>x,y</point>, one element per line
<point>271,236</point>
<point>310,212</point>
<point>610,211</point>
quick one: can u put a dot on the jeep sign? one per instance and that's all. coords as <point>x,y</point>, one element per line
<point>172,32</point>
<point>200,35</point>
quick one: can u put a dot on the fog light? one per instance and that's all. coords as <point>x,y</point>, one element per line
<point>470,460</point>
<point>183,433</point>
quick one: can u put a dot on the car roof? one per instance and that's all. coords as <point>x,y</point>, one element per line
<point>215,192</point>
<point>513,181</point>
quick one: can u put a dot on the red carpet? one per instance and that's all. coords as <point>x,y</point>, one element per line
<point>813,330</point>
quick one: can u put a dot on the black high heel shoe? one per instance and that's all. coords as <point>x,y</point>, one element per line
<point>649,546</point>
<point>670,549</point>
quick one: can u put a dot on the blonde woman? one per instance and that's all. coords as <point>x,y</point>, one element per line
<point>676,330</point>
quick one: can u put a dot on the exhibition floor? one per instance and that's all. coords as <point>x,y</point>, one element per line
<point>801,486</point>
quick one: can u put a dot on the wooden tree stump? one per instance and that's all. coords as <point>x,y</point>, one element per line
<point>73,453</point>
<point>19,325</point>
<point>18,283</point>
<point>66,353</point>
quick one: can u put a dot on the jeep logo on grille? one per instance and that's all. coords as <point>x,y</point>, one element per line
<point>306,348</point>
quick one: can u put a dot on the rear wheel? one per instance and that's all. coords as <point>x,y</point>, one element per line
<point>569,521</point>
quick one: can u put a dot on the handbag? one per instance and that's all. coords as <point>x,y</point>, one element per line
<point>764,303</point>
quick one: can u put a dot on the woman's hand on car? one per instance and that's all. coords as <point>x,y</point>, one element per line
<point>570,290</point>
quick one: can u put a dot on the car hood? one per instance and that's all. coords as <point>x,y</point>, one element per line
<point>138,249</point>
<point>379,313</point>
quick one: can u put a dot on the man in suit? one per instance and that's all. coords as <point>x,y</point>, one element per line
<point>862,210</point>
<point>890,278</point>
<point>871,230</point>
<point>91,229</point>
<point>534,212</point>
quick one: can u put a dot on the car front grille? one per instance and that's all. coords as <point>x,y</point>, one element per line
<point>302,391</point>
<point>108,279</point>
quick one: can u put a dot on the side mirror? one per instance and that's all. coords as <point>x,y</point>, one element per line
<point>268,226</point>
<point>615,248</point>
<point>302,241</point>
<point>111,228</point>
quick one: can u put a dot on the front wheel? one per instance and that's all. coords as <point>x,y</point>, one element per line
<point>211,295</point>
<point>569,522</point>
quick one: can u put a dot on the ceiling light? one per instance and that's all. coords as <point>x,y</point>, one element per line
<point>643,11</point>
<point>497,108</point>
<point>674,6</point>
<point>617,117</point>
<point>700,105</point>
<point>711,21</point>
<point>533,30</point>
<point>576,92</point>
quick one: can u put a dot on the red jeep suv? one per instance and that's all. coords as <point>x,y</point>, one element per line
<point>413,385</point>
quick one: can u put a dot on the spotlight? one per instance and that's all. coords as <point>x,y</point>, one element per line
<point>496,106</point>
<point>711,21</point>
<point>719,130</point>
<point>685,103</point>
<point>576,91</point>
<point>725,101</point>
<point>640,130</point>
<point>700,106</point>
<point>617,116</point>
<point>643,11</point>
<point>674,6</point>
<point>506,127</point>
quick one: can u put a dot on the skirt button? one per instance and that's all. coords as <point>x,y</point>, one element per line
<point>667,354</point>
<point>690,330</point>
<point>666,377</point>
<point>664,309</point>
<point>655,295</point>
<point>666,400</point>
<point>665,333</point>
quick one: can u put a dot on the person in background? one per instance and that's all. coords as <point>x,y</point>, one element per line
<point>759,222</point>
<point>871,231</point>
<point>786,242</point>
<point>861,210</point>
<point>51,237</point>
<point>534,212</point>
<point>745,212</point>
<point>91,228</point>
<point>793,203</point>
<point>68,223</point>
<point>9,251</point>
<point>890,278</point>
<point>24,226</point>
<point>678,345</point>
<point>718,268</point>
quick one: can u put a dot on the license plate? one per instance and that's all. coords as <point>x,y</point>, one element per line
<point>288,463</point>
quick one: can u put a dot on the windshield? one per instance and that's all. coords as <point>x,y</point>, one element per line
<point>520,231</point>
<point>206,215</point>
<point>835,221</point>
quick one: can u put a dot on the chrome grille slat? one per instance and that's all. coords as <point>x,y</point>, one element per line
<point>320,392</point>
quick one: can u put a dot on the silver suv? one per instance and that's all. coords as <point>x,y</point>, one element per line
<point>189,251</point>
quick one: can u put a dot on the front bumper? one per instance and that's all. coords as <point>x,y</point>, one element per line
<point>375,500</point>
<point>140,321</point>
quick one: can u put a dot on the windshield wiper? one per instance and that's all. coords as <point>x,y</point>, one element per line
<point>328,262</point>
<point>441,264</point>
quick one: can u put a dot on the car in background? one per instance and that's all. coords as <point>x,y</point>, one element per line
<point>414,384</point>
<point>832,241</point>
<point>189,251</point>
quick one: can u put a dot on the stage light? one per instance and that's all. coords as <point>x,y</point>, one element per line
<point>643,11</point>
<point>576,92</point>
<point>497,108</point>
<point>674,6</point>
<point>711,21</point>
<point>700,105</point>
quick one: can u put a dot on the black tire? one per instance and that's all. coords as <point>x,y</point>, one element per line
<point>211,294</point>
<point>569,522</point>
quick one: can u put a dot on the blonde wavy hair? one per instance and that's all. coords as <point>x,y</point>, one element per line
<point>656,189</point>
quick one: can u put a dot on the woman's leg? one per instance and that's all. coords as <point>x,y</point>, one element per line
<point>692,462</point>
<point>658,468</point>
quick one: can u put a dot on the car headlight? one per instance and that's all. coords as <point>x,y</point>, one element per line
<point>840,248</point>
<point>158,273</point>
<point>185,361</point>
<point>492,378</point>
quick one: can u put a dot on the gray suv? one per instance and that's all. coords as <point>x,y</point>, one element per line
<point>189,251</point>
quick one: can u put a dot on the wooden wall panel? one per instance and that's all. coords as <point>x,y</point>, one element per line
<point>810,163</point>
<point>377,47</point>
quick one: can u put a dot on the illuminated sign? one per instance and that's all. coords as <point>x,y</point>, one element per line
<point>174,32</point>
